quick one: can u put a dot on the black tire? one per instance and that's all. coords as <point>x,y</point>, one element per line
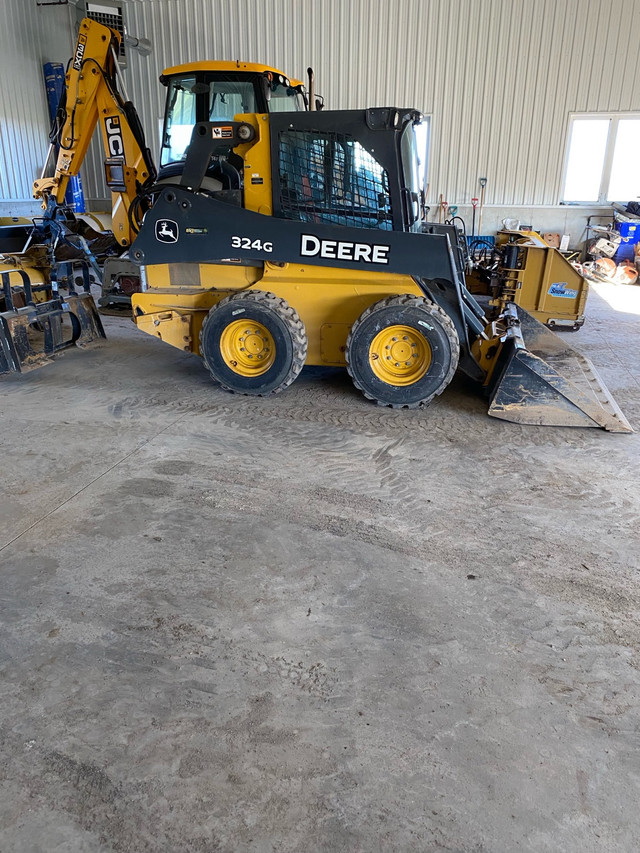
<point>435,353</point>
<point>285,352</point>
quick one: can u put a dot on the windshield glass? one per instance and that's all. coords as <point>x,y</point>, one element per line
<point>415,147</point>
<point>201,97</point>
<point>227,98</point>
<point>285,99</point>
<point>214,96</point>
<point>204,96</point>
<point>413,152</point>
<point>410,162</point>
<point>180,119</point>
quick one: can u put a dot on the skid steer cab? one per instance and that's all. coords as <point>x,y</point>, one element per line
<point>312,248</point>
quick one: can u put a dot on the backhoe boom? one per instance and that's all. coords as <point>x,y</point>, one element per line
<point>91,98</point>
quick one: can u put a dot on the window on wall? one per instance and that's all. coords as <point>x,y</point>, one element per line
<point>602,163</point>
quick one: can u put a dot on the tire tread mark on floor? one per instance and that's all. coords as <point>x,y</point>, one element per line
<point>90,483</point>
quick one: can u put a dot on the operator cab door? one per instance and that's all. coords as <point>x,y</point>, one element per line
<point>354,168</point>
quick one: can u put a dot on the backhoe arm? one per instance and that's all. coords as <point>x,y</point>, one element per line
<point>91,97</point>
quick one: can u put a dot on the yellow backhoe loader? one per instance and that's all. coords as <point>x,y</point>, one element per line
<point>64,251</point>
<point>196,91</point>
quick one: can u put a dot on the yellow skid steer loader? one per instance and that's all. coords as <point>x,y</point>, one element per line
<point>310,247</point>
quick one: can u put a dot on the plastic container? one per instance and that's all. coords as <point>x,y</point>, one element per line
<point>54,85</point>
<point>477,244</point>
<point>625,252</point>
<point>629,231</point>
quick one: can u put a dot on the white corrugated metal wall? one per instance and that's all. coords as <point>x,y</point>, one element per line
<point>498,77</point>
<point>29,36</point>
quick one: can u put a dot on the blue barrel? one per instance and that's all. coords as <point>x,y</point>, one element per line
<point>54,84</point>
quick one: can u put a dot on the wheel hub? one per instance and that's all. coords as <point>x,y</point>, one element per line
<point>399,355</point>
<point>247,347</point>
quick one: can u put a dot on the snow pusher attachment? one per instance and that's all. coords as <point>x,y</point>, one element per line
<point>37,322</point>
<point>538,378</point>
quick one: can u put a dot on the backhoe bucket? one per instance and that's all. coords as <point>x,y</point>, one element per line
<point>540,379</point>
<point>34,332</point>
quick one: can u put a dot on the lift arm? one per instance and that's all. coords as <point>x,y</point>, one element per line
<point>92,97</point>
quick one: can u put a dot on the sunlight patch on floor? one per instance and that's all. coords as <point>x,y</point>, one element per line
<point>621,297</point>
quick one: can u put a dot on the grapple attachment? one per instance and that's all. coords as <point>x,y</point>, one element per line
<point>33,331</point>
<point>540,379</point>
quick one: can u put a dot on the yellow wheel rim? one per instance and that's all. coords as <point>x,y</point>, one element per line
<point>247,347</point>
<point>399,355</point>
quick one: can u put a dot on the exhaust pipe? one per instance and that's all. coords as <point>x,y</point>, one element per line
<point>312,89</point>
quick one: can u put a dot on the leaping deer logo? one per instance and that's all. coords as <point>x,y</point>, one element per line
<point>167,231</point>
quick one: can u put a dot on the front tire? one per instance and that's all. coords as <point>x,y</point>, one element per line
<point>253,343</point>
<point>402,351</point>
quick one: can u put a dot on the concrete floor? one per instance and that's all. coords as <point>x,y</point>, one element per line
<point>309,624</point>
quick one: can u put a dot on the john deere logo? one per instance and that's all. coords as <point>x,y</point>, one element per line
<point>167,231</point>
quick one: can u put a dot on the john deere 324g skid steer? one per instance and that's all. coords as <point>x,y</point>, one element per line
<point>299,238</point>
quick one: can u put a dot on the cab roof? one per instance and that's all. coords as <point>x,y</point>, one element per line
<point>219,65</point>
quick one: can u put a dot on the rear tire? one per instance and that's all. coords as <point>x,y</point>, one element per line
<point>253,343</point>
<point>402,351</point>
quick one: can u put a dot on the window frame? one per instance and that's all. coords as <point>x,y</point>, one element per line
<point>427,119</point>
<point>614,119</point>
